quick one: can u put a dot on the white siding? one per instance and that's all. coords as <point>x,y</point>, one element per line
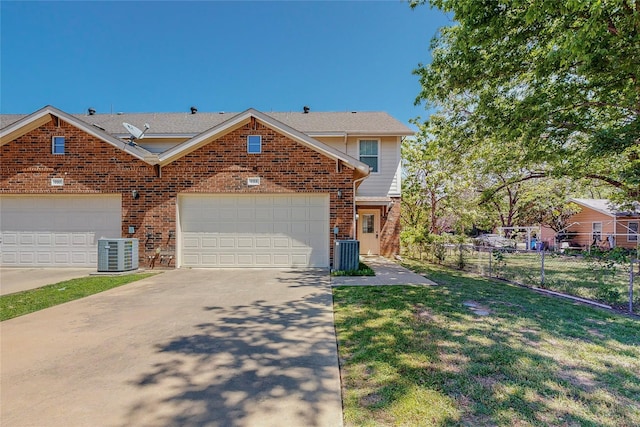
<point>384,182</point>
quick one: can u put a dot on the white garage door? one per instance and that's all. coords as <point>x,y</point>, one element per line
<point>254,231</point>
<point>56,231</point>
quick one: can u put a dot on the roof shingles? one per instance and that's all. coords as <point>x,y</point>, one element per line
<point>313,123</point>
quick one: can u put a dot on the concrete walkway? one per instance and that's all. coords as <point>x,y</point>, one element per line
<point>182,348</point>
<point>387,273</point>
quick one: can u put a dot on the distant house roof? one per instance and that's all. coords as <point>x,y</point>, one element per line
<point>606,207</point>
<point>188,125</point>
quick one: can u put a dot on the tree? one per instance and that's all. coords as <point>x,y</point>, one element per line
<point>434,185</point>
<point>560,79</point>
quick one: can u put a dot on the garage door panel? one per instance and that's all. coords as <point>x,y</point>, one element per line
<point>281,213</point>
<point>209,242</point>
<point>44,239</point>
<point>56,231</point>
<point>61,239</point>
<point>263,231</point>
<point>27,258</point>
<point>263,242</point>
<point>227,242</point>
<point>44,257</point>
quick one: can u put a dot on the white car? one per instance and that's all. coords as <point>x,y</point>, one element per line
<point>494,241</point>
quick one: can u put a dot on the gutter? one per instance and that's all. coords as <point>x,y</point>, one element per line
<point>354,229</point>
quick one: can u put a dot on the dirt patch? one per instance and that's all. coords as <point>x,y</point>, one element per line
<point>476,308</point>
<point>371,399</point>
<point>423,314</point>
<point>596,333</point>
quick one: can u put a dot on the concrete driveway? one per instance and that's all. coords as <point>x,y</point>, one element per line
<point>183,348</point>
<point>21,279</point>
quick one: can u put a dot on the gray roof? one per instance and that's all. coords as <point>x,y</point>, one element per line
<point>606,207</point>
<point>187,124</point>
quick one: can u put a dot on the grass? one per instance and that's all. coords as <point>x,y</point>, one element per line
<point>363,270</point>
<point>422,356</point>
<point>21,303</point>
<point>573,275</point>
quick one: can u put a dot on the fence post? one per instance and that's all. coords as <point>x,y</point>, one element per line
<point>631,287</point>
<point>541,267</point>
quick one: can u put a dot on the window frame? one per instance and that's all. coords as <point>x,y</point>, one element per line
<point>376,156</point>
<point>365,222</point>
<point>632,236</point>
<point>54,145</point>
<point>593,231</point>
<point>259,144</point>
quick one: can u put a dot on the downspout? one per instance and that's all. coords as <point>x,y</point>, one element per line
<point>353,228</point>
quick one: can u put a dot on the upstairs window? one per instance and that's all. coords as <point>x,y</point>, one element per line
<point>369,153</point>
<point>254,144</point>
<point>57,145</point>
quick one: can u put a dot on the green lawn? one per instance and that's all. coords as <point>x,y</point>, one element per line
<point>573,275</point>
<point>21,303</point>
<point>424,356</point>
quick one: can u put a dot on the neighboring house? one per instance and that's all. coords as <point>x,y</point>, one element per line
<point>599,223</point>
<point>206,189</point>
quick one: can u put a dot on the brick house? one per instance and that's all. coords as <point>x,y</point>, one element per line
<point>206,189</point>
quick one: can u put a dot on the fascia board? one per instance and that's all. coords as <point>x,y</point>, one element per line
<point>578,202</point>
<point>203,138</point>
<point>25,125</point>
<point>379,134</point>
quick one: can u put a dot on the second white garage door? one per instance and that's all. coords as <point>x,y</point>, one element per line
<point>254,230</point>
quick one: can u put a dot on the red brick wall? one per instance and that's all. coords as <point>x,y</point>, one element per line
<point>390,234</point>
<point>222,166</point>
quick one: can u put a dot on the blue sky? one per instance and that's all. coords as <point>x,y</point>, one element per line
<point>144,56</point>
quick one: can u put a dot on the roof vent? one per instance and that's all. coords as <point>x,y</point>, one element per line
<point>194,110</point>
<point>91,111</point>
<point>306,109</point>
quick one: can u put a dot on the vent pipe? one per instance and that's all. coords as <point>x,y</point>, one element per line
<point>194,110</point>
<point>306,109</point>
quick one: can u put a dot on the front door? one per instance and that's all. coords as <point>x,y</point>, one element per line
<point>369,231</point>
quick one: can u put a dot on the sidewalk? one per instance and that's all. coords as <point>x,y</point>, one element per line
<point>387,273</point>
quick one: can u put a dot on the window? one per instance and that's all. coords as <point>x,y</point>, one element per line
<point>254,144</point>
<point>369,153</point>
<point>57,145</point>
<point>633,232</point>
<point>367,223</point>
<point>596,234</point>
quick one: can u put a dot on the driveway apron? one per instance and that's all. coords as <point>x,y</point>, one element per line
<point>183,348</point>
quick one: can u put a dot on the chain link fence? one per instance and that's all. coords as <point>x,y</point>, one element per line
<point>604,277</point>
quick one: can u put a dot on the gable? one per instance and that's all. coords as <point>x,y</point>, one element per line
<point>251,116</point>
<point>50,114</point>
<point>254,119</point>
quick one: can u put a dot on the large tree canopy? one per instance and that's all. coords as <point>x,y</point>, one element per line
<point>560,79</point>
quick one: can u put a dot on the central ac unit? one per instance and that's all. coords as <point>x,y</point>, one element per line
<point>346,255</point>
<point>117,255</point>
